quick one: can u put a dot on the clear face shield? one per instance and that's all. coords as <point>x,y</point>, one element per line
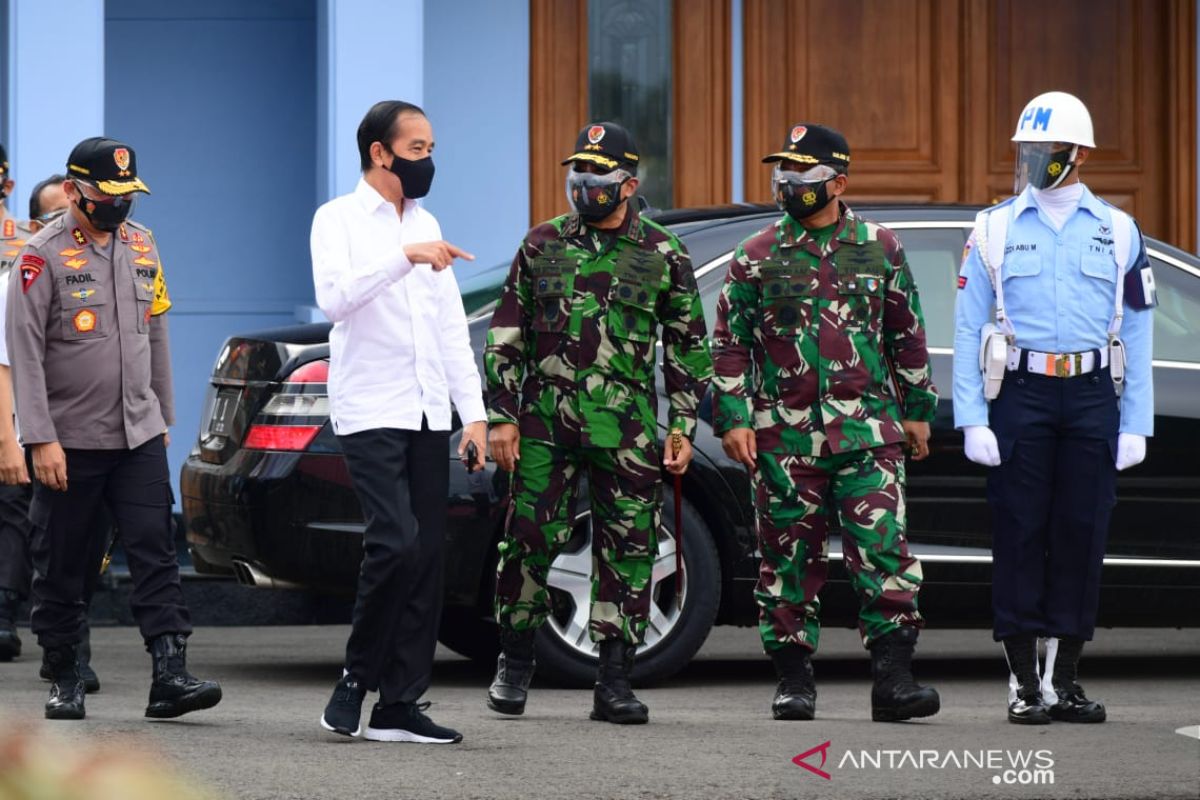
<point>801,192</point>
<point>1043,165</point>
<point>595,196</point>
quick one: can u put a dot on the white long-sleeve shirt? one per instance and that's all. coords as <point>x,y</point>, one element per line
<point>399,348</point>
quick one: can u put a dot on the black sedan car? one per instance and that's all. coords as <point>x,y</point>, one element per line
<point>267,498</point>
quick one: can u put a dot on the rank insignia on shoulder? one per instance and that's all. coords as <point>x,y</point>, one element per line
<point>10,229</point>
<point>80,239</point>
<point>123,232</point>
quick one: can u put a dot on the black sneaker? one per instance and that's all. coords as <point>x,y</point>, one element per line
<point>344,712</point>
<point>406,722</point>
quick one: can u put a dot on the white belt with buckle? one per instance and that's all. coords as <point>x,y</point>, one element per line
<point>1058,365</point>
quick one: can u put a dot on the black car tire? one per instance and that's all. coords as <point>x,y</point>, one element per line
<point>560,663</point>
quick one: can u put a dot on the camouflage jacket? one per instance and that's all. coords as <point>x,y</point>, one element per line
<point>572,345</point>
<point>805,340</point>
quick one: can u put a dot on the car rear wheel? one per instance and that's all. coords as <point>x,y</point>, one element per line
<point>565,652</point>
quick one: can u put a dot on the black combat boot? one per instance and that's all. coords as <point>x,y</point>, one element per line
<point>66,691</point>
<point>796,695</point>
<point>514,671</point>
<point>1072,705</point>
<point>1029,708</point>
<point>895,695</point>
<point>91,681</point>
<point>175,691</point>
<point>10,643</point>
<point>613,698</point>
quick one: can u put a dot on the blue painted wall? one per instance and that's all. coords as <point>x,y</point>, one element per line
<point>218,100</point>
<point>38,134</point>
<point>477,98</point>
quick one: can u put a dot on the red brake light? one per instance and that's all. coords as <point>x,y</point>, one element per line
<point>280,437</point>
<point>312,372</point>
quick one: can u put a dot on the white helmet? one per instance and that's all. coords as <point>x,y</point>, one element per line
<point>1055,117</point>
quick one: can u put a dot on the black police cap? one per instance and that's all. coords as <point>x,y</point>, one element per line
<point>606,144</point>
<point>107,164</point>
<point>814,144</point>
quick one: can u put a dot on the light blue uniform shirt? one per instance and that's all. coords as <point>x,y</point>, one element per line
<point>1059,291</point>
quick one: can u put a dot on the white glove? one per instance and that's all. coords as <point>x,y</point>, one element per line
<point>1131,450</point>
<point>979,443</point>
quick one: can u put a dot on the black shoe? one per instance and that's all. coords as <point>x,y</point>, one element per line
<point>66,691</point>
<point>1072,704</point>
<point>10,643</point>
<point>796,695</point>
<point>175,691</point>
<point>91,682</point>
<point>514,672</point>
<point>1029,708</point>
<point>406,722</point>
<point>895,695</point>
<point>343,712</point>
<point>612,698</point>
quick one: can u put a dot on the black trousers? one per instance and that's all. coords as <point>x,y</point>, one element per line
<point>401,478</point>
<point>15,568</point>
<point>1051,500</point>
<point>68,544</point>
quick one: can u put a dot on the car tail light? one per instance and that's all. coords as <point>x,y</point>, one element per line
<point>293,417</point>
<point>280,437</point>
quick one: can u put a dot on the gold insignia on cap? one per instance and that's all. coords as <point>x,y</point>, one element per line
<point>121,157</point>
<point>595,133</point>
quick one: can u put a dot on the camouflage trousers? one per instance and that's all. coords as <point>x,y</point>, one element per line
<point>798,499</point>
<point>626,497</point>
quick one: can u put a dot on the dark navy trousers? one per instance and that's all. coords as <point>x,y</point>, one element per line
<point>1051,499</point>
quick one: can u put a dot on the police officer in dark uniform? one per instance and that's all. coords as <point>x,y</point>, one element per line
<point>87,337</point>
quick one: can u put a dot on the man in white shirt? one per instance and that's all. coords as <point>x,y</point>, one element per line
<point>399,354</point>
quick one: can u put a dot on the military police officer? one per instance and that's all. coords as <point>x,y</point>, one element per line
<point>818,311</point>
<point>1066,364</point>
<point>87,337</point>
<point>570,370</point>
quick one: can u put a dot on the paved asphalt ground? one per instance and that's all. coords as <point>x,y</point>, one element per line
<point>710,734</point>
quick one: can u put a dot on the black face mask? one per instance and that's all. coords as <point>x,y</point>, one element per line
<point>415,176</point>
<point>105,216</point>
<point>801,202</point>
<point>593,196</point>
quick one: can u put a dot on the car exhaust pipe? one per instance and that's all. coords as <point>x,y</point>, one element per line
<point>249,575</point>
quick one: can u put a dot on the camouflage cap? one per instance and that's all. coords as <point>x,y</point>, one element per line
<point>606,144</point>
<point>814,144</point>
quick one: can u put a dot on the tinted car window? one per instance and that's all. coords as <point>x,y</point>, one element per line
<point>934,255</point>
<point>1177,318</point>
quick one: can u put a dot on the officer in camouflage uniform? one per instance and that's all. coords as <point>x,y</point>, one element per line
<point>818,311</point>
<point>571,391</point>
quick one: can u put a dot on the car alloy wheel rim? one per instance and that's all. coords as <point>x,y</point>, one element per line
<point>570,582</point>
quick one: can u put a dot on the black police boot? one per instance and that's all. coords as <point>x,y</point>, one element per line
<point>10,643</point>
<point>613,699</point>
<point>514,671</point>
<point>91,681</point>
<point>796,695</point>
<point>175,691</point>
<point>1072,705</point>
<point>66,691</point>
<point>1029,708</point>
<point>895,696</point>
